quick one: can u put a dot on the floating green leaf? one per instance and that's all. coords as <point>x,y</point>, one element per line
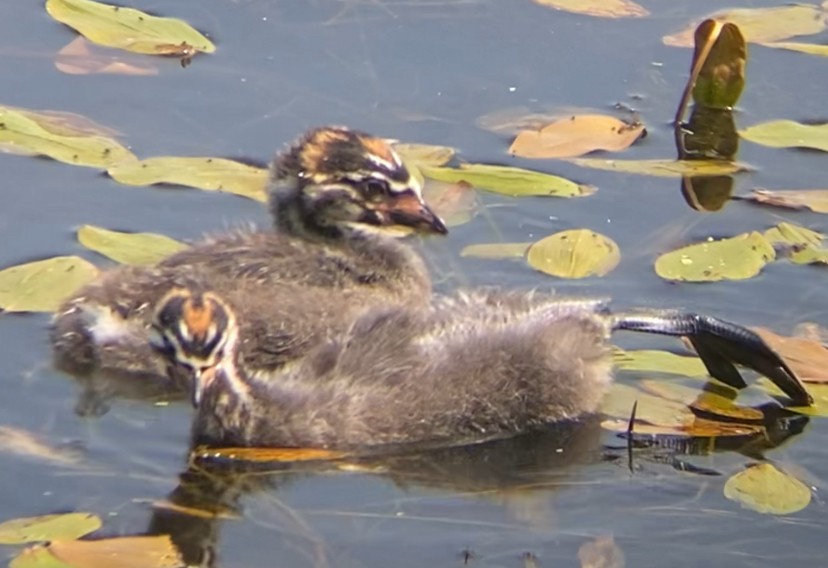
<point>659,361</point>
<point>576,253</point>
<point>48,527</point>
<point>50,135</point>
<point>496,250</point>
<point>424,154</point>
<point>212,174</point>
<point>736,258</point>
<point>788,134</point>
<point>600,8</point>
<point>793,235</point>
<point>663,168</point>
<point>618,403</point>
<point>509,181</point>
<point>124,552</point>
<point>766,489</point>
<point>129,29</point>
<point>711,403</point>
<point>42,285</point>
<point>809,48</point>
<point>810,255</point>
<point>762,24</point>
<point>818,392</point>
<point>128,248</point>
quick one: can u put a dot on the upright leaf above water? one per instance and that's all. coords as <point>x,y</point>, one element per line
<point>788,134</point>
<point>42,285</point>
<point>577,253</point>
<point>718,70</point>
<point>510,181</point>
<point>56,136</point>
<point>577,135</point>
<point>129,29</point>
<point>128,248</point>
<point>736,258</point>
<point>67,526</point>
<point>212,174</point>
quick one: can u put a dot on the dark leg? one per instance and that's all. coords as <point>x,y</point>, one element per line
<point>720,344</point>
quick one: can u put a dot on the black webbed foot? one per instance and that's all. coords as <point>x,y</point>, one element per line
<point>720,344</point>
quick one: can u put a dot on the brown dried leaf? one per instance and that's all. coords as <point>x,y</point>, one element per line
<point>806,357</point>
<point>575,136</point>
<point>814,199</point>
<point>24,443</point>
<point>125,552</point>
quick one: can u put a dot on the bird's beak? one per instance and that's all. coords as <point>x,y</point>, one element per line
<point>411,210</point>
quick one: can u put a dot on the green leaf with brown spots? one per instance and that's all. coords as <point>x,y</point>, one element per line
<point>128,248</point>
<point>577,253</point>
<point>68,526</point>
<point>42,285</point>
<point>736,258</point>
<point>766,489</point>
<point>515,182</point>
<point>211,174</point>
<point>129,29</point>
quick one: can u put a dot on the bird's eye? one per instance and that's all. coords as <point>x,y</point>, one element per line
<point>376,188</point>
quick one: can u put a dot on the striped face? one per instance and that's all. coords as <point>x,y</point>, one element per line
<point>351,178</point>
<point>195,333</point>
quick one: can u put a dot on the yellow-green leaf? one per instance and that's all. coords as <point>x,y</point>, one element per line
<point>212,174</point>
<point>37,557</point>
<point>129,29</point>
<point>659,361</point>
<point>809,48</point>
<point>48,527</point>
<point>711,403</point>
<point>766,489</point>
<point>42,285</point>
<point>124,552</point>
<point>496,250</point>
<point>576,253</point>
<point>762,24</point>
<point>424,154</point>
<point>128,248</point>
<point>575,136</point>
<point>619,401</point>
<point>788,134</point>
<point>814,199</point>
<point>600,8</point>
<point>810,255</point>
<point>736,258</point>
<point>793,235</point>
<point>51,134</point>
<point>663,168</point>
<point>509,181</point>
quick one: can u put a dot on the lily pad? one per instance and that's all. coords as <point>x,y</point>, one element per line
<point>125,552</point>
<point>48,527</point>
<point>810,255</point>
<point>793,235</point>
<point>577,253</point>
<point>619,401</point>
<point>736,258</point>
<point>129,29</point>
<point>496,250</point>
<point>788,134</point>
<point>510,181</point>
<point>663,168</point>
<point>761,24</point>
<point>712,404</point>
<point>42,285</point>
<point>600,8</point>
<point>814,199</point>
<point>809,48</point>
<point>47,134</point>
<point>212,174</point>
<point>648,360</point>
<point>128,248</point>
<point>806,357</point>
<point>766,489</point>
<point>576,136</point>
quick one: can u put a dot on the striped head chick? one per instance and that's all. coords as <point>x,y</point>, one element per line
<point>334,179</point>
<point>197,333</point>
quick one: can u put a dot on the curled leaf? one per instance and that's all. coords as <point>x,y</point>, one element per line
<point>576,253</point>
<point>42,285</point>
<point>793,235</point>
<point>212,174</point>
<point>736,258</point>
<point>128,248</point>
<point>575,136</point>
<point>766,489</point>
<point>129,29</point>
<point>508,181</point>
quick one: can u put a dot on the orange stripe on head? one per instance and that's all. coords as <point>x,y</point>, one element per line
<point>316,149</point>
<point>198,316</point>
<point>380,148</point>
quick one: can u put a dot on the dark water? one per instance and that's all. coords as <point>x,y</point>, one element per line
<point>417,71</point>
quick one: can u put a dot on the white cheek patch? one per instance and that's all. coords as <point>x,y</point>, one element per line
<point>104,325</point>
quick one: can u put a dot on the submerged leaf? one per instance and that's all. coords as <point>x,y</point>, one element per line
<point>575,136</point>
<point>128,248</point>
<point>577,253</point>
<point>24,443</point>
<point>618,403</point>
<point>77,58</point>
<point>42,285</point>
<point>509,181</point>
<point>663,168</point>
<point>736,258</point>
<point>761,24</point>
<point>600,8</point>
<point>50,134</point>
<point>788,134</point>
<point>212,174</point>
<point>601,552</point>
<point>69,526</point>
<point>814,199</point>
<point>766,489</point>
<point>129,29</point>
<point>510,121</point>
<point>454,203</point>
<point>496,250</point>
<point>711,403</point>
